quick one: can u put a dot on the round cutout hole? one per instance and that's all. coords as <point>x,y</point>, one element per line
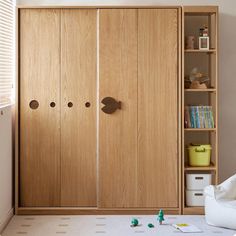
<point>52,104</point>
<point>34,104</point>
<point>70,104</point>
<point>87,104</point>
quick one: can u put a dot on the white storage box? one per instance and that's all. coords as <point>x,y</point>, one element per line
<point>197,181</point>
<point>194,198</point>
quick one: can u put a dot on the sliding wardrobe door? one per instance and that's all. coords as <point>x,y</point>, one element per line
<point>158,107</point>
<point>118,121</point>
<point>78,107</point>
<point>39,107</point>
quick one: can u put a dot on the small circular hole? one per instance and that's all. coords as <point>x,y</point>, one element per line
<point>52,104</point>
<point>87,104</point>
<point>34,104</point>
<point>70,104</point>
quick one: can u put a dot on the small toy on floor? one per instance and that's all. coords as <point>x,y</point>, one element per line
<point>150,225</point>
<point>160,216</point>
<point>134,222</point>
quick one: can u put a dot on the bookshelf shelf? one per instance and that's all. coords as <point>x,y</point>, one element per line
<point>195,101</point>
<point>199,51</point>
<point>211,90</point>
<point>200,168</point>
<point>200,129</point>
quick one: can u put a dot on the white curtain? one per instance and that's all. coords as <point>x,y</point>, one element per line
<point>7,42</point>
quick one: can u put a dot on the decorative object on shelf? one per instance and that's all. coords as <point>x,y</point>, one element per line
<point>160,216</point>
<point>199,154</point>
<point>197,85</point>
<point>203,43</point>
<point>196,80</point>
<point>203,40</point>
<point>199,117</point>
<point>203,32</point>
<point>134,222</point>
<point>189,42</point>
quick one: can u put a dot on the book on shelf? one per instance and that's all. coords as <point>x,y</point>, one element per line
<point>198,117</point>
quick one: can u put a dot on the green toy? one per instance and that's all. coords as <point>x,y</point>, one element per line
<point>150,225</point>
<point>134,222</point>
<point>160,217</point>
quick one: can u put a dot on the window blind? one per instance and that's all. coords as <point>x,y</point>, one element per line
<point>6,52</point>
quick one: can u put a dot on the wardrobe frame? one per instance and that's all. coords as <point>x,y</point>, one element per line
<point>94,210</point>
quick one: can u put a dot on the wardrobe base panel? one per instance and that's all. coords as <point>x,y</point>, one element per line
<point>92,211</point>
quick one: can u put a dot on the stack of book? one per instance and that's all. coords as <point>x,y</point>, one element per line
<point>198,117</point>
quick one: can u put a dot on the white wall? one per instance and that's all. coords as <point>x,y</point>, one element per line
<point>5,165</point>
<point>227,73</point>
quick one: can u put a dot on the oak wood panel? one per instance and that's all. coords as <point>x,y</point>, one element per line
<point>40,128</point>
<point>200,9</point>
<point>180,42</point>
<point>93,211</point>
<point>193,211</point>
<point>110,6</point>
<point>78,126</point>
<point>118,131</point>
<point>158,108</point>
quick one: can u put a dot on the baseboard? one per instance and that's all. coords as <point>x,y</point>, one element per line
<point>92,211</point>
<point>4,222</point>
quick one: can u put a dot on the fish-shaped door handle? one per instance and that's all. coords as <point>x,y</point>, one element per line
<point>110,105</point>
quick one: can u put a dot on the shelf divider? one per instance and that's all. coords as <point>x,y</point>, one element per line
<point>199,51</point>
<point>211,90</point>
<point>200,129</point>
<point>200,168</point>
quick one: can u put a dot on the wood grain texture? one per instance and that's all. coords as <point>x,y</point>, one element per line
<point>118,131</point>
<point>110,6</point>
<point>193,211</point>
<point>179,84</point>
<point>158,108</point>
<point>39,129</point>
<point>200,9</point>
<point>78,123</point>
<point>93,211</point>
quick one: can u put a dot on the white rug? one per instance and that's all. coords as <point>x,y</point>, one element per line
<point>118,225</point>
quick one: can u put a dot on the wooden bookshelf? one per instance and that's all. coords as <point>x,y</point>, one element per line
<point>193,17</point>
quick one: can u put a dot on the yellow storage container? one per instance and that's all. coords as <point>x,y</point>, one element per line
<point>199,155</point>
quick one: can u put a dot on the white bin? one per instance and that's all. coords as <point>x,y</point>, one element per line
<point>194,198</point>
<point>197,181</point>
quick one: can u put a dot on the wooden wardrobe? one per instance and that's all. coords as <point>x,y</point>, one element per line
<point>99,110</point>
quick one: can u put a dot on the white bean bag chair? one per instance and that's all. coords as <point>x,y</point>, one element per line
<point>220,204</point>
